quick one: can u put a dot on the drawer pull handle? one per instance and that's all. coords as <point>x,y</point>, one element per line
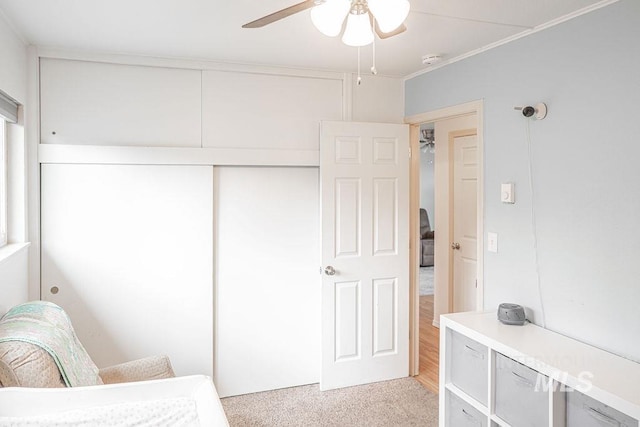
<point>474,352</point>
<point>522,379</point>
<point>604,418</point>
<point>470,417</point>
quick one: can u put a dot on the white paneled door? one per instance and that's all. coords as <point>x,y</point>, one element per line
<point>365,252</point>
<point>127,251</point>
<point>465,223</point>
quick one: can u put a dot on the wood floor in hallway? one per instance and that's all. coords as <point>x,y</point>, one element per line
<point>429,346</point>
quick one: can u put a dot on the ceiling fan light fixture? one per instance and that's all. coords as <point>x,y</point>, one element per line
<point>328,17</point>
<point>390,14</point>
<point>358,32</point>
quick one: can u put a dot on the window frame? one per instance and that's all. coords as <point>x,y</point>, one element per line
<point>3,183</point>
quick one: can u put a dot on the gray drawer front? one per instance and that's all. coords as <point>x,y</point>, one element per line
<point>517,400</point>
<point>583,411</point>
<point>461,414</point>
<point>469,366</point>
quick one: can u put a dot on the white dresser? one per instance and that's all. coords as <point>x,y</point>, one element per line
<point>519,376</point>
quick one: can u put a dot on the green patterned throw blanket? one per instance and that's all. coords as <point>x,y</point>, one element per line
<point>46,325</point>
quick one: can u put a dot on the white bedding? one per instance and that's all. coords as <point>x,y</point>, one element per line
<point>183,401</point>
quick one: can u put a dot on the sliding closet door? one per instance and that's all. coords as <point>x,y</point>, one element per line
<point>267,280</point>
<point>127,251</point>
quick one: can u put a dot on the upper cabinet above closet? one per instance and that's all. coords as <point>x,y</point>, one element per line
<point>101,103</point>
<point>249,110</point>
<point>94,103</point>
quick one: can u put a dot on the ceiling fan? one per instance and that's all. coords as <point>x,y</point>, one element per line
<point>427,141</point>
<point>385,17</point>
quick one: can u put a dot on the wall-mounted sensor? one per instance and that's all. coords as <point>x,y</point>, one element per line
<point>538,111</point>
<point>507,192</point>
<point>431,59</point>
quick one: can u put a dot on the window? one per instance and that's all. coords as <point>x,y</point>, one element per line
<point>3,184</point>
<point>8,114</point>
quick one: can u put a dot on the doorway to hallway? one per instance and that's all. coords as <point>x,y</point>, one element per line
<point>450,151</point>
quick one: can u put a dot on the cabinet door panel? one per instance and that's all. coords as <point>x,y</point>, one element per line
<point>109,104</point>
<point>129,249</point>
<point>275,112</point>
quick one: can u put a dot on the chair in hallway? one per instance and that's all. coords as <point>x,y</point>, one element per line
<point>426,240</point>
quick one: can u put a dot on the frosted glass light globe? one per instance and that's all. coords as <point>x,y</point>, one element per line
<point>329,16</point>
<point>390,14</point>
<point>358,31</point>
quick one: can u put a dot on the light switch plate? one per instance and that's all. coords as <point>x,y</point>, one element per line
<point>507,193</point>
<point>492,242</point>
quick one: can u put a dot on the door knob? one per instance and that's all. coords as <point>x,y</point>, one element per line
<point>455,246</point>
<point>329,271</point>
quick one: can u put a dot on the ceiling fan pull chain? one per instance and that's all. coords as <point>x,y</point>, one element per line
<point>374,70</point>
<point>359,80</point>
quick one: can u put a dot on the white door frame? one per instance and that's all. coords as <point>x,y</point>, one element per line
<point>474,107</point>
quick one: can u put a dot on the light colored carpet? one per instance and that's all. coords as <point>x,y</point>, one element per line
<point>402,402</point>
<point>426,280</point>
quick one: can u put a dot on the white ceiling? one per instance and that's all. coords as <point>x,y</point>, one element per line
<point>211,29</point>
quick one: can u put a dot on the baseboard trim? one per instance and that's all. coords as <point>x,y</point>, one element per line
<point>436,324</point>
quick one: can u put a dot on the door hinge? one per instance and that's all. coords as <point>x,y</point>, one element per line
<point>476,283</point>
<point>409,152</point>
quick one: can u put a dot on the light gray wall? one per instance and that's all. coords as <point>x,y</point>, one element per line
<point>13,72</point>
<point>13,75</point>
<point>585,163</point>
<point>13,280</point>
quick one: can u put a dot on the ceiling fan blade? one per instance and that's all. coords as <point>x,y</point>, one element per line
<point>276,16</point>
<point>401,29</point>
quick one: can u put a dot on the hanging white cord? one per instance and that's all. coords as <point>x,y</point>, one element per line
<point>374,70</point>
<point>359,80</point>
<point>533,223</point>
